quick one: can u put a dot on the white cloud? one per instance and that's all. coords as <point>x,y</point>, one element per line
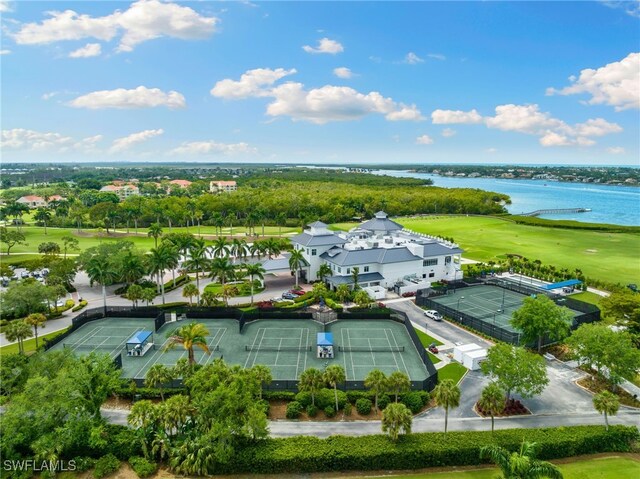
<point>631,8</point>
<point>5,6</point>
<point>448,132</point>
<point>437,56</point>
<point>445,117</point>
<point>342,72</point>
<point>121,144</point>
<point>424,140</point>
<point>5,52</point>
<point>22,139</point>
<point>412,59</point>
<point>325,45</point>
<point>317,105</point>
<point>491,150</point>
<point>552,138</point>
<point>522,118</point>
<point>141,97</point>
<point>89,50</point>
<point>616,84</point>
<point>597,127</point>
<point>251,84</point>
<point>88,145</point>
<point>616,150</point>
<point>144,20</point>
<point>212,148</point>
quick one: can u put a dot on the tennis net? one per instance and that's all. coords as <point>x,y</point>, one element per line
<point>374,349</point>
<point>91,347</point>
<point>277,348</point>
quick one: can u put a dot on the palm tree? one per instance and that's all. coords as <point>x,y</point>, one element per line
<point>222,270</point>
<point>148,295</point>
<point>323,271</point>
<point>220,248</point>
<point>447,395</point>
<point>492,401</point>
<point>398,382</point>
<point>155,231</point>
<point>198,260</point>
<point>44,216</point>
<point>218,222</point>
<point>520,465</point>
<point>335,375</point>
<point>272,247</point>
<point>173,260</point>
<point>343,293</point>
<point>254,271</point>
<point>396,417</point>
<point>176,411</point>
<point>189,291</point>
<point>157,375</point>
<point>606,403</point>
<point>312,380</point>
<point>263,374</point>
<point>160,259</point>
<point>35,320</point>
<point>297,261</point>
<point>238,249</point>
<point>102,273</point>
<point>132,268</point>
<point>355,275</point>
<point>135,293</point>
<point>229,290</point>
<point>377,382</point>
<point>209,297</point>
<point>18,330</point>
<point>189,336</point>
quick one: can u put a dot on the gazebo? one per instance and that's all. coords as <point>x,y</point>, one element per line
<point>325,345</point>
<point>140,343</point>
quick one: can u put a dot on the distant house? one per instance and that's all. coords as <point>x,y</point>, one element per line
<point>181,183</point>
<point>32,201</point>
<point>123,192</point>
<point>55,198</point>
<point>222,186</point>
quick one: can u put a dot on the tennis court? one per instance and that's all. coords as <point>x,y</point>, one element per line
<point>490,304</point>
<point>286,346</point>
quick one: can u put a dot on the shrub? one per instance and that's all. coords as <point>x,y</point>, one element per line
<point>177,304</point>
<point>353,396</point>
<point>122,442</point>
<point>363,406</point>
<point>141,466</point>
<point>304,398</point>
<point>279,395</point>
<point>413,401</point>
<point>106,465</point>
<point>147,393</point>
<point>383,401</point>
<point>325,397</point>
<point>264,405</point>
<point>312,411</point>
<point>84,463</point>
<point>330,411</point>
<point>348,409</point>
<point>294,409</point>
<point>80,305</point>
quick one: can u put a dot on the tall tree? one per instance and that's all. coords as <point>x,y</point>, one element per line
<point>155,232</point>
<point>376,381</point>
<point>516,370</point>
<point>334,375</point>
<point>355,276</point>
<point>623,306</point>
<point>311,380</point>
<point>11,238</point>
<point>447,395</point>
<point>189,291</point>
<point>43,215</point>
<point>263,374</point>
<point>18,330</point>
<point>222,270</point>
<point>69,244</point>
<point>492,401</point>
<point>36,320</point>
<point>254,271</point>
<point>606,403</point>
<point>398,383</point>
<point>296,262</point>
<point>539,317</point>
<point>323,271</point>
<point>198,260</point>
<point>135,293</point>
<point>395,418</point>
<point>189,336</point>
<point>520,465</point>
<point>221,248</point>
<point>161,259</point>
<point>103,273</point>
<point>157,376</point>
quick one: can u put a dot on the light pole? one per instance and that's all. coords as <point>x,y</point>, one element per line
<point>494,322</point>
<point>458,306</point>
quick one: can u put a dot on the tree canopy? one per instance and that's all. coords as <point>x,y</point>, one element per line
<point>515,369</point>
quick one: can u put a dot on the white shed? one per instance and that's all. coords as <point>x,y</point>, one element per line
<point>472,359</point>
<point>459,351</point>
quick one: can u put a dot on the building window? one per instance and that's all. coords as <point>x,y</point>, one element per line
<point>313,252</point>
<point>424,275</point>
<point>307,251</point>
<point>430,262</point>
<point>432,275</point>
<point>366,269</point>
<point>339,269</point>
<point>447,260</point>
<point>348,270</point>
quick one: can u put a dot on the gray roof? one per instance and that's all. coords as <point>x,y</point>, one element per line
<point>437,249</point>
<point>305,239</point>
<point>380,223</point>
<point>343,257</point>
<point>362,278</point>
<point>317,224</point>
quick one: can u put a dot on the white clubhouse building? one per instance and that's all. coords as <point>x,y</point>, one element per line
<point>386,255</point>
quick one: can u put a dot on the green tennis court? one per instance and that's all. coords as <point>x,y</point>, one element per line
<point>286,346</point>
<point>490,304</point>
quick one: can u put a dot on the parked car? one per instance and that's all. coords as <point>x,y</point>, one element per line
<point>433,348</point>
<point>433,314</point>
<point>297,292</point>
<point>288,295</point>
<point>24,274</point>
<point>44,271</point>
<point>5,281</point>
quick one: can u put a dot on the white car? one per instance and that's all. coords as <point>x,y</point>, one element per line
<point>433,314</point>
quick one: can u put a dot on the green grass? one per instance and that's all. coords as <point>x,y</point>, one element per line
<point>596,468</point>
<point>434,359</point>
<point>453,371</point>
<point>426,340</point>
<point>244,289</point>
<point>29,344</point>
<point>588,297</point>
<point>605,256</point>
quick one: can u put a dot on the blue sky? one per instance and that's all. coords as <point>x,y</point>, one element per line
<point>325,82</point>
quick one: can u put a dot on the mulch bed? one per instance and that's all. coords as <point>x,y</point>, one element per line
<point>513,407</point>
<point>596,385</point>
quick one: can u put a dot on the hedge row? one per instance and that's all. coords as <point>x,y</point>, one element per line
<point>147,393</point>
<point>304,454</point>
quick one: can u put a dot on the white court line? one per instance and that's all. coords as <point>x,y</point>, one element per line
<point>373,358</point>
<point>306,355</point>
<point>392,353</point>
<point>255,338</point>
<point>399,354</point>
<point>278,353</point>
<point>299,346</point>
<point>224,330</point>
<point>344,355</point>
<point>153,357</point>
<point>89,334</point>
<point>351,355</point>
<point>255,355</point>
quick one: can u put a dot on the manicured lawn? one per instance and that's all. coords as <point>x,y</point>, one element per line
<point>434,359</point>
<point>426,340</point>
<point>597,468</point>
<point>587,297</point>
<point>29,344</point>
<point>244,289</point>
<point>606,256</point>
<point>453,371</point>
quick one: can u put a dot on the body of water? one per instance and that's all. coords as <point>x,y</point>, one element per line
<point>617,205</point>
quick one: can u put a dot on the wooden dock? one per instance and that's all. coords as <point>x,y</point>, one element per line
<point>557,211</point>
